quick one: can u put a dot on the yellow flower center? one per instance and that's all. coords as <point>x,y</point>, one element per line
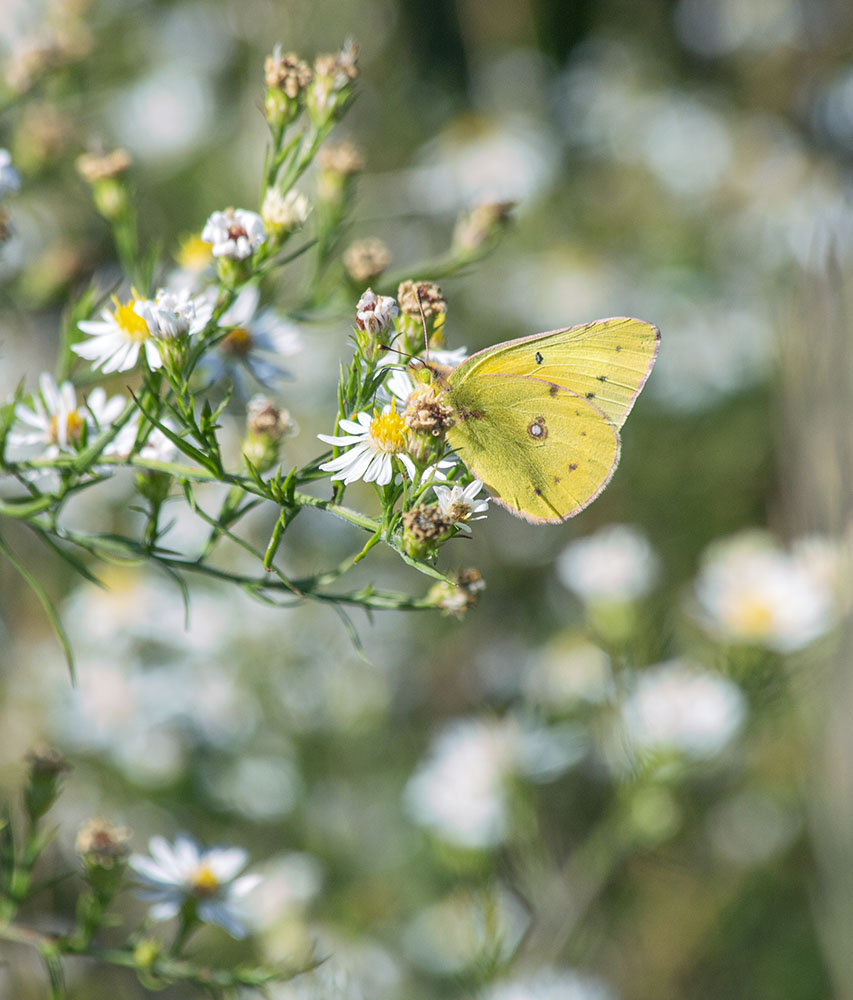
<point>132,324</point>
<point>73,426</point>
<point>238,343</point>
<point>194,254</point>
<point>460,510</point>
<point>203,881</point>
<point>388,431</point>
<point>752,616</point>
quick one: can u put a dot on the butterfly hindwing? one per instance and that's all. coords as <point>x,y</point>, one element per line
<point>607,361</point>
<point>542,450</point>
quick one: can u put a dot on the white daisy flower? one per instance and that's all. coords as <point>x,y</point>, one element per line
<point>375,313</point>
<point>117,337</point>
<point>10,181</point>
<point>56,423</point>
<point>372,443</point>
<point>179,873</point>
<point>257,342</point>
<point>459,503</point>
<point>235,233</point>
<point>175,314</point>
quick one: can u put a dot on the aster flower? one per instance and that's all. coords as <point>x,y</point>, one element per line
<point>371,445</point>
<point>257,342</point>
<point>459,503</point>
<point>235,233</point>
<point>179,875</point>
<point>56,423</point>
<point>678,706</point>
<point>751,591</point>
<point>117,338</point>
<point>175,314</point>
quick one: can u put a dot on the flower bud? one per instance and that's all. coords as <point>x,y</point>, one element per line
<point>366,260</point>
<point>104,850</point>
<point>106,175</point>
<point>415,297</point>
<point>266,427</point>
<point>287,78</point>
<point>47,765</point>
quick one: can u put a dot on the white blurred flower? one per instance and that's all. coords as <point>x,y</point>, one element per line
<point>750,591</point>
<point>284,213</point>
<point>751,828</point>
<point>615,564</point>
<point>157,446</point>
<point>176,874</point>
<point>549,984</point>
<point>464,928</point>
<point>116,339</point>
<point>677,706</point>
<point>460,504</point>
<point>356,969</point>
<point>235,233</point>
<point>257,342</point>
<point>375,313</point>
<point>56,423</point>
<point>371,444</point>
<point>289,882</point>
<point>480,158</point>
<point>567,673</point>
<point>460,791</point>
<point>10,182</point>
<point>175,314</point>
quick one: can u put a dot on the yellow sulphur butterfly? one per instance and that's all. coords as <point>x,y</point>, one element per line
<point>537,419</point>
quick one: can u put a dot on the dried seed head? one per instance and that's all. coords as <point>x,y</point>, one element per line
<point>431,299</point>
<point>286,72</point>
<point>366,259</point>
<point>426,412</point>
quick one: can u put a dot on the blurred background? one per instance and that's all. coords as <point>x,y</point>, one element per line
<point>624,774</point>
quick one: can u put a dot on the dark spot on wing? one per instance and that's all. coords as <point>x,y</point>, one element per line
<point>464,414</point>
<point>539,358</point>
<point>590,395</point>
<point>583,434</point>
<point>553,389</point>
<point>557,480</point>
<point>572,466</point>
<point>601,378</point>
<point>537,491</point>
<point>537,430</point>
<point>618,347</point>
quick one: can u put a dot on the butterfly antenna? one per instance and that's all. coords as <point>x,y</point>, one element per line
<point>423,321</point>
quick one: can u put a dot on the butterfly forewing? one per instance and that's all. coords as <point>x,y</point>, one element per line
<point>543,451</point>
<point>606,362</point>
